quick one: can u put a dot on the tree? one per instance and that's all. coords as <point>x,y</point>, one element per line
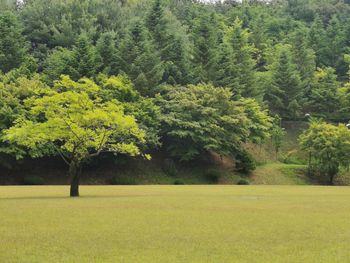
<point>107,54</point>
<point>73,121</point>
<point>205,40</point>
<point>12,43</point>
<point>84,60</point>
<point>144,109</point>
<point>328,146</point>
<point>204,118</point>
<point>58,62</point>
<point>285,87</point>
<point>139,59</point>
<point>238,63</point>
<point>324,97</point>
<point>303,58</point>
<point>170,39</point>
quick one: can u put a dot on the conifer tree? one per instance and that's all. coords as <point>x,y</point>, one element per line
<point>107,53</point>
<point>238,62</point>
<point>84,58</point>
<point>139,59</point>
<point>323,97</point>
<point>12,43</point>
<point>205,41</point>
<point>285,89</point>
<point>169,39</point>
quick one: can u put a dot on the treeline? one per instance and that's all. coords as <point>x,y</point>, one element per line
<point>292,56</point>
<point>195,75</point>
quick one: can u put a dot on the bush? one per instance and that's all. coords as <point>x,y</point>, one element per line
<point>123,180</point>
<point>169,167</point>
<point>243,182</point>
<point>245,162</point>
<point>179,182</point>
<point>213,176</point>
<point>33,180</point>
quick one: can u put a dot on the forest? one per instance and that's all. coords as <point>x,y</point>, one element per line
<point>81,79</point>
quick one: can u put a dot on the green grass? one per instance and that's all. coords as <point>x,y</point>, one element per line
<point>161,224</point>
<point>280,174</point>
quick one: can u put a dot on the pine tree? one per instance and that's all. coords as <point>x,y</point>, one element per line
<point>318,41</point>
<point>335,49</point>
<point>304,59</point>
<point>324,96</point>
<point>84,58</point>
<point>169,39</point>
<point>239,64</point>
<point>285,88</point>
<point>139,59</point>
<point>205,41</point>
<point>12,43</point>
<point>107,54</point>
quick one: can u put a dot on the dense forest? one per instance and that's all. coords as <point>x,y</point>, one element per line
<point>80,78</point>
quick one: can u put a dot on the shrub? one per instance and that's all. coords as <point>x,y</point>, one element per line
<point>243,182</point>
<point>213,176</point>
<point>245,162</point>
<point>179,182</point>
<point>123,180</point>
<point>33,180</point>
<point>169,167</point>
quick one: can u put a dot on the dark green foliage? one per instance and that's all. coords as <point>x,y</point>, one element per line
<point>245,162</point>
<point>284,92</point>
<point>123,180</point>
<point>213,176</point>
<point>33,180</point>
<point>140,60</point>
<point>12,43</point>
<point>169,167</point>
<point>179,182</point>
<point>107,54</point>
<point>203,118</point>
<point>243,182</point>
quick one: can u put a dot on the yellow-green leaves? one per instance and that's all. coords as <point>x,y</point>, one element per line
<point>75,122</point>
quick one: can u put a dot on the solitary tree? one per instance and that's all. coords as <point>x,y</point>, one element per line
<point>75,123</point>
<point>329,147</point>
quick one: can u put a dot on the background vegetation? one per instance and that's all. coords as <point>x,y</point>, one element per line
<point>195,81</point>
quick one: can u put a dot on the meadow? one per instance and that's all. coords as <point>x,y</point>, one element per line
<point>243,224</point>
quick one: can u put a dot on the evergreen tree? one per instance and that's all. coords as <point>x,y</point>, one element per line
<point>169,39</point>
<point>107,54</point>
<point>324,97</point>
<point>84,58</point>
<point>318,40</point>
<point>239,65</point>
<point>304,59</point>
<point>139,59</point>
<point>335,49</point>
<point>205,41</point>
<point>12,43</point>
<point>284,92</point>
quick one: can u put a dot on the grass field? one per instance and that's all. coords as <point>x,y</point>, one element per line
<point>160,224</point>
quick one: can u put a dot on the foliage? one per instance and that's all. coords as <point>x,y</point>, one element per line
<point>328,146</point>
<point>74,122</point>
<point>33,180</point>
<point>12,43</point>
<point>243,182</point>
<point>204,118</point>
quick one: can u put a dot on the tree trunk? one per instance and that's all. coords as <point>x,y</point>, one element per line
<point>74,173</point>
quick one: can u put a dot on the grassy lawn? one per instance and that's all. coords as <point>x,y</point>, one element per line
<point>175,224</point>
<point>280,174</point>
